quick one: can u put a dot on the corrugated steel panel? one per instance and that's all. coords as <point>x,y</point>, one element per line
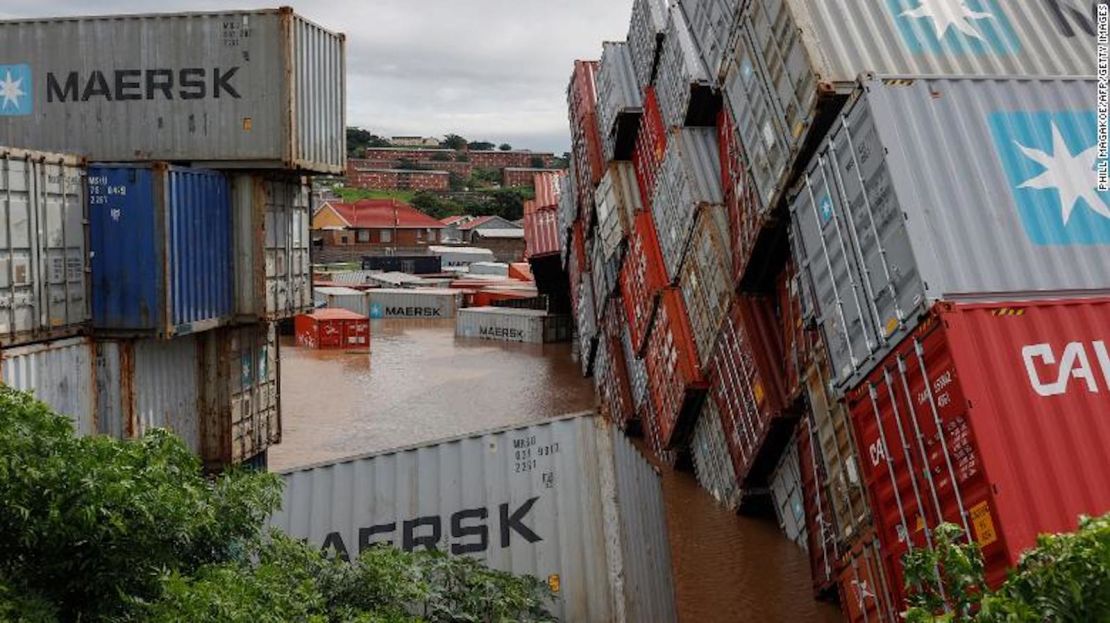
<point>748,217</point>
<point>454,257</point>
<point>273,270</point>
<point>240,399</point>
<point>637,371</point>
<point>1002,417</point>
<point>674,379</point>
<point>541,233</point>
<point>506,324</point>
<point>572,500</point>
<point>343,298</point>
<point>164,388</point>
<point>682,83</point>
<point>712,23</point>
<point>618,95</point>
<point>882,232</point>
<point>617,201</point>
<point>821,544</point>
<point>60,374</point>
<point>549,188</point>
<point>641,278</point>
<point>690,177</point>
<point>413,303</point>
<point>712,463</point>
<point>586,322</point>
<point>44,287</point>
<point>650,147</point>
<point>706,281</point>
<point>867,594</point>
<point>257,89</point>
<point>788,497</point>
<point>645,33</point>
<point>179,221</point>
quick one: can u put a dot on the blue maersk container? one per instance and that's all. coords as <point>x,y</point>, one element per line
<point>161,249</point>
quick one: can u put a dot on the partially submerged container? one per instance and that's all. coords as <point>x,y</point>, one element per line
<point>788,498</point>
<point>676,383</point>
<point>162,249</point>
<point>821,543</point>
<point>460,257</point>
<point>712,462</point>
<point>234,89</point>
<point>619,101</point>
<point>60,373</point>
<point>430,303</point>
<point>44,236</point>
<point>570,501</point>
<point>867,592</point>
<point>705,281</point>
<point>342,298</point>
<point>329,329</point>
<point>586,323</point>
<point>992,417</point>
<point>689,179</point>
<point>271,214</point>
<point>881,232</point>
<point>683,84</point>
<point>505,324</point>
<point>611,375</point>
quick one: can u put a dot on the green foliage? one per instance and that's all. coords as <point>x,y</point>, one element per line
<point>483,177</point>
<point>480,146</point>
<point>505,147</point>
<point>1066,578</point>
<point>351,195</point>
<point>456,182</point>
<point>407,164</point>
<point>537,162</point>
<point>462,156</point>
<point>358,140</point>
<point>440,156</point>
<point>453,141</point>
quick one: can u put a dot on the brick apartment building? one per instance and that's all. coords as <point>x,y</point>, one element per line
<point>371,224</point>
<point>520,176</point>
<point>486,159</point>
<point>397,179</point>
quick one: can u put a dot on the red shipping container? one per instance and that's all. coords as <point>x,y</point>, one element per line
<point>674,379</point>
<point>585,138</point>
<point>649,420</point>
<point>993,417</point>
<point>747,215</point>
<point>541,231</point>
<point>521,271</point>
<point>641,278</point>
<point>867,594</point>
<point>820,529</point>
<point>615,389</point>
<point>650,147</point>
<point>333,329</point>
<point>745,382</point>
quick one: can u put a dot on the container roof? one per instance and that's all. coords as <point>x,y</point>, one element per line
<point>336,313</point>
<point>383,214</point>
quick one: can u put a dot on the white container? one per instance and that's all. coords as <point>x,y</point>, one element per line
<point>568,500</point>
<point>387,280</point>
<point>682,83</point>
<point>60,374</point>
<point>44,281</point>
<point>497,269</point>
<point>617,200</point>
<point>788,496</point>
<point>689,178</point>
<point>461,257</point>
<point>507,324</point>
<point>414,303</point>
<point>712,462</point>
<point>343,298</point>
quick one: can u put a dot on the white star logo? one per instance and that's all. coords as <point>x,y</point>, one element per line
<point>949,14</point>
<point>1073,175</point>
<point>11,90</point>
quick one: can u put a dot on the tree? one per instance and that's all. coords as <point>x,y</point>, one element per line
<point>538,162</point>
<point>453,141</point>
<point>358,140</point>
<point>505,147</point>
<point>480,146</point>
<point>456,182</point>
<point>440,156</point>
<point>407,164</point>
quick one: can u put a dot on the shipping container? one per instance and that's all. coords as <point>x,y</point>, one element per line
<point>460,257</point>
<point>682,83</point>
<point>235,89</point>
<point>645,36</point>
<point>882,232</point>
<point>521,271</point>
<point>867,592</point>
<point>411,264</point>
<point>332,329</point>
<point>991,417</point>
<point>650,148</point>
<point>787,496</point>
<point>745,383</point>
<point>637,371</point>
<point>689,179</point>
<point>793,57</point>
<point>821,543</point>
<point>179,221</point>
<point>584,131</point>
<point>606,276</point>
<point>751,223</point>
<point>674,379</point>
<point>586,323</point>
<point>712,25</point>
<point>497,269</point>
<point>611,375</point>
<point>641,279</point>
<point>430,303</point>
<point>800,338</point>
<point>240,400</point>
<point>568,212</point>
<point>60,373</point>
<point>271,215</point>
<point>617,202</point>
<point>619,101</point>
<point>712,462</point>
<point>383,280</point>
<point>548,188</point>
<point>44,235</point>
<point>705,279</point>
<point>541,232</point>
<point>574,502</point>
<point>653,436</point>
<point>505,324</point>
<point>343,298</point>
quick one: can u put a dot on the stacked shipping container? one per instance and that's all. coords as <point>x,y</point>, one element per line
<point>896,276</point>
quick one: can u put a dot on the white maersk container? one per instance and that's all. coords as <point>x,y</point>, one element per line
<point>413,303</point>
<point>234,89</point>
<point>569,500</point>
<point>461,257</point>
<point>508,324</point>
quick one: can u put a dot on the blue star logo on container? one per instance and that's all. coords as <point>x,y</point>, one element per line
<point>376,311</point>
<point>825,209</point>
<point>1050,160</point>
<point>955,27</point>
<point>15,90</point>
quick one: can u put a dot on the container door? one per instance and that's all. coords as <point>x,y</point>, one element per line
<point>61,192</point>
<point>19,272</point>
<point>200,253</point>
<point>288,271</point>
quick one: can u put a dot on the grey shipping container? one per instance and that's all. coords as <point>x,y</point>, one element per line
<point>712,462</point>
<point>617,201</point>
<point>645,34</point>
<point>342,298</point>
<point>506,324</point>
<point>605,273</point>
<point>240,399</point>
<point>271,216</point>
<point>388,280</point>
<point>689,178</point>
<point>788,497</point>
<point>682,83</point>
<point>712,24</point>
<point>496,269</point>
<point>619,101</point>
<point>793,54</point>
<point>569,500</point>
<point>637,371</point>
<point>706,280</point>
<point>884,227</point>
<point>59,373</point>
<point>44,282</point>
<point>242,89</point>
<point>413,303</point>
<point>456,257</point>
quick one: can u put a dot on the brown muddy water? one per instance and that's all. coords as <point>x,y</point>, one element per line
<point>420,384</point>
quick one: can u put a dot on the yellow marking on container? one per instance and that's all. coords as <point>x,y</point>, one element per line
<point>983,524</point>
<point>758,391</point>
<point>248,124</point>
<point>553,582</point>
<point>891,326</point>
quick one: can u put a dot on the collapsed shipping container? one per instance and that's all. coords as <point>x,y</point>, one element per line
<point>60,373</point>
<point>821,544</point>
<point>712,462</point>
<point>867,592</point>
<point>585,135</point>
<point>676,382</point>
<point>637,371</point>
<point>44,235</point>
<point>705,279</point>
<point>342,298</point>
<point>651,146</point>
<point>992,417</point>
<point>162,253</point>
<point>586,323</point>
<point>683,84</point>
<point>787,496</point>
<point>794,60</point>
<point>619,101</point>
<point>541,232</point>
<point>271,215</point>
<point>881,232</point>
<point>329,329</point>
<point>428,303</point>
<point>617,202</point>
<point>752,224</point>
<point>506,324</point>
<point>570,501</point>
<point>236,89</point>
<point>645,36</point>
<point>641,279</point>
<point>689,179</point>
<point>712,25</point>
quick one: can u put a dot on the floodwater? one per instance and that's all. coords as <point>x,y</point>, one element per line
<point>421,384</point>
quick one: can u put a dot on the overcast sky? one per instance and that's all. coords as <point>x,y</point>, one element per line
<point>491,70</point>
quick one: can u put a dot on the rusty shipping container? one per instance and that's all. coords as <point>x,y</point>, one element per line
<point>619,101</point>
<point>236,89</point>
<point>938,438</point>
<point>676,383</point>
<point>570,501</point>
<point>682,83</point>
<point>541,232</point>
<point>44,237</point>
<point>651,146</point>
<point>882,232</point>
<point>645,34</point>
<point>332,329</point>
<point>641,279</point>
<point>705,279</point>
<point>60,373</point>
<point>821,543</point>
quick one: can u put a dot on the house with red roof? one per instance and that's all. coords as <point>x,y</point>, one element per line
<point>374,222</point>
